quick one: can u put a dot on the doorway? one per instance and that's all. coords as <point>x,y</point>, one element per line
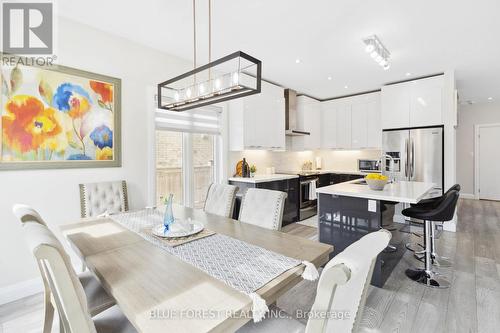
<point>487,160</point>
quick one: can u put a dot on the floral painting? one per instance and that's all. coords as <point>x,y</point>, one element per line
<point>58,117</point>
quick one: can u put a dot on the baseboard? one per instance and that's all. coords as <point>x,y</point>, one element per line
<point>467,196</point>
<point>20,290</point>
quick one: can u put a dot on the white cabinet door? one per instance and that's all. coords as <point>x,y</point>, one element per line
<point>396,106</point>
<point>426,102</point>
<point>309,120</point>
<point>329,125</point>
<point>374,127</point>
<point>359,126</point>
<point>274,119</point>
<point>344,127</point>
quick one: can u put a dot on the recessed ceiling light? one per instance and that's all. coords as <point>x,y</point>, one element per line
<point>329,78</point>
<point>346,87</point>
<point>408,74</point>
<point>297,61</point>
<point>490,98</point>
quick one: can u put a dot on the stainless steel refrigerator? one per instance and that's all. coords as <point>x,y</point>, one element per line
<point>418,155</point>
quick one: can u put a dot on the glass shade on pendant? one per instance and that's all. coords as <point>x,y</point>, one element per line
<point>230,77</point>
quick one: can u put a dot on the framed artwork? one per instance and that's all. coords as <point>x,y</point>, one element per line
<point>58,117</point>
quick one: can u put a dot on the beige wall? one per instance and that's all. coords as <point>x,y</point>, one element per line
<point>346,160</point>
<point>468,116</point>
<point>55,192</point>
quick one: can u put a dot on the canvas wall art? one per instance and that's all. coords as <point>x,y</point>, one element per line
<point>58,117</point>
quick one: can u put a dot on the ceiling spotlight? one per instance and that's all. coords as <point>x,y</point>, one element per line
<point>329,78</point>
<point>490,98</point>
<point>297,61</point>
<point>377,51</point>
<point>408,74</point>
<point>345,87</point>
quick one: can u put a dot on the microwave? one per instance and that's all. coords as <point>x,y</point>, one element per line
<point>368,165</point>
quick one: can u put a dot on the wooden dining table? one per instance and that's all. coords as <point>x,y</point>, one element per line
<point>158,292</point>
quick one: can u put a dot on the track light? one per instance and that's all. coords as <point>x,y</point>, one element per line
<point>377,51</point>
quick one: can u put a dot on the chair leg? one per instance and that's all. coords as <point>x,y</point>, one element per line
<point>426,276</point>
<point>49,313</point>
<point>436,259</point>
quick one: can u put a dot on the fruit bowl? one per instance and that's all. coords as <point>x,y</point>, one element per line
<point>376,182</point>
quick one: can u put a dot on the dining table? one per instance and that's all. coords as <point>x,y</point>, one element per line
<point>159,292</point>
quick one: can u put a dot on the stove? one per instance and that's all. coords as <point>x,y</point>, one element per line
<point>308,203</point>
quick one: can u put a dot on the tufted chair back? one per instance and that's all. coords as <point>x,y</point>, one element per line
<point>263,208</point>
<point>103,198</point>
<point>220,199</point>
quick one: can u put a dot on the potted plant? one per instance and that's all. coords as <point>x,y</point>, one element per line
<point>253,170</point>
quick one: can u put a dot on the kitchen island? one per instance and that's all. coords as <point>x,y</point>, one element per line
<point>349,210</point>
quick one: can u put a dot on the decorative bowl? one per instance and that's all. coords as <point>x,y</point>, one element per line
<point>376,184</point>
<point>178,229</point>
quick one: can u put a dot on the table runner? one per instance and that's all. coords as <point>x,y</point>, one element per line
<point>243,266</point>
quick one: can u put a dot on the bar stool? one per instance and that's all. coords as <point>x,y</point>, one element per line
<point>415,247</point>
<point>443,212</point>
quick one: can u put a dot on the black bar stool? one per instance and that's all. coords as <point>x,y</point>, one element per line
<point>415,247</point>
<point>443,212</point>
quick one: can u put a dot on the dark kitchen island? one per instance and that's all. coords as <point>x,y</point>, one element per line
<point>350,210</point>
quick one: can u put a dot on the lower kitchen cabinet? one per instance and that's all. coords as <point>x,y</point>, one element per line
<point>289,186</point>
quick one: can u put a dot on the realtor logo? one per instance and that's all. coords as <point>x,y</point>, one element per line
<point>27,28</point>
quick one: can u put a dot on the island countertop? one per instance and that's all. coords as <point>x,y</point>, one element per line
<point>401,191</point>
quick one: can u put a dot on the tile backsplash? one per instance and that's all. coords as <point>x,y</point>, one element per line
<point>290,161</point>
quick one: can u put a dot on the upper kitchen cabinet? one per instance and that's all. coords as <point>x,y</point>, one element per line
<point>309,120</point>
<point>258,121</point>
<point>413,104</point>
<point>329,124</point>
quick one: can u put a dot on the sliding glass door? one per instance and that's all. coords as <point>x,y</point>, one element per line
<point>185,166</point>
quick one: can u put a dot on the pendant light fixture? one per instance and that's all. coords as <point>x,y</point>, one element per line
<point>233,76</point>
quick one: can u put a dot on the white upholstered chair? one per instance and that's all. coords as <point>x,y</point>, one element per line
<point>341,292</point>
<point>66,288</point>
<point>96,297</point>
<point>103,198</point>
<point>220,199</point>
<point>263,208</point>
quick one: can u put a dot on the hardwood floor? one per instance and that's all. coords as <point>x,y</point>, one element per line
<point>472,304</point>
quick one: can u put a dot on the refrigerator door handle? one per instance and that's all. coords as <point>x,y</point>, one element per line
<point>412,173</point>
<point>406,158</point>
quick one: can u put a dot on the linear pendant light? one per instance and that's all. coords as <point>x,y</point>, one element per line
<point>233,76</point>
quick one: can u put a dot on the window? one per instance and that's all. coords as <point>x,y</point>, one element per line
<point>187,145</point>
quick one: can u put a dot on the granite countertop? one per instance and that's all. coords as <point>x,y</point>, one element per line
<point>401,191</point>
<point>263,178</point>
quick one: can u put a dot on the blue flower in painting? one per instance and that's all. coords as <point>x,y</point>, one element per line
<point>78,157</point>
<point>102,137</point>
<point>72,99</point>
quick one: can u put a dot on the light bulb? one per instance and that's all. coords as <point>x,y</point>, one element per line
<point>236,78</point>
<point>188,92</point>
<point>369,48</point>
<point>379,59</point>
<point>374,54</point>
<point>201,88</point>
<point>383,62</point>
<point>217,84</point>
<point>176,96</point>
<point>386,67</point>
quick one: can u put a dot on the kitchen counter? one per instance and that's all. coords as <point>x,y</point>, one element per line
<point>401,191</point>
<point>263,178</point>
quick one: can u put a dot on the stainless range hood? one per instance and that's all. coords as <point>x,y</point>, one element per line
<point>291,114</point>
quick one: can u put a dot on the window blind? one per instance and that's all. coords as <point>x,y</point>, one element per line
<point>201,120</point>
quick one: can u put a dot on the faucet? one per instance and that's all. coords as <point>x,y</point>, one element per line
<point>392,178</point>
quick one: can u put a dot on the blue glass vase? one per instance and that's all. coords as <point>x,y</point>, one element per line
<point>168,218</point>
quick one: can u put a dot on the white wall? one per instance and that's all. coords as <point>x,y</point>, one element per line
<point>55,192</point>
<point>340,160</point>
<point>468,117</point>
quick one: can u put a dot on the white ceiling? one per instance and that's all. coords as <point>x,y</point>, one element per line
<point>424,37</point>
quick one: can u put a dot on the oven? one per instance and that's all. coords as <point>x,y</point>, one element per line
<point>307,196</point>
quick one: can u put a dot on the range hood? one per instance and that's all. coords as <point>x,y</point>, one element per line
<point>291,114</point>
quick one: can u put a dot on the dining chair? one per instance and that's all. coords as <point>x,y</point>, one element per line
<point>66,289</point>
<point>341,293</point>
<point>263,208</point>
<point>97,298</point>
<point>103,198</point>
<point>220,199</point>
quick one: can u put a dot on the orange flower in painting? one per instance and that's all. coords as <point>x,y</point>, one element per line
<point>105,90</point>
<point>27,124</point>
